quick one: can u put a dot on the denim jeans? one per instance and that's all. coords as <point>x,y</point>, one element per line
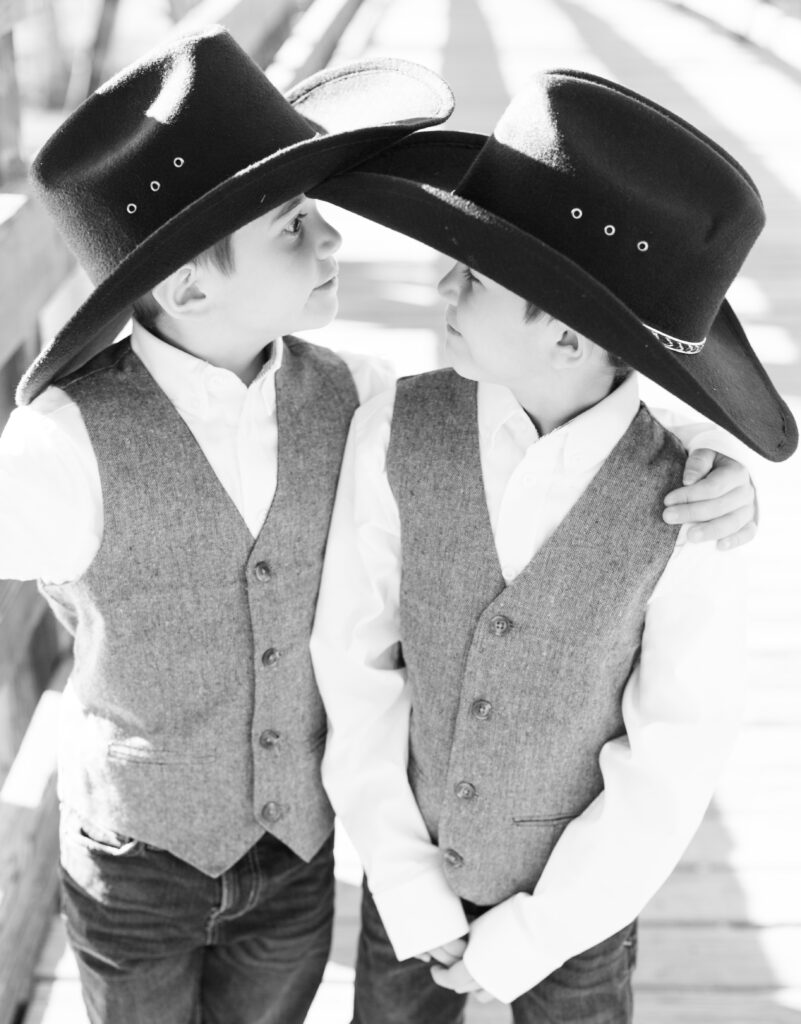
<point>159,942</point>
<point>592,988</point>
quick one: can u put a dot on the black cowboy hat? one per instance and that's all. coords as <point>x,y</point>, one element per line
<point>190,143</point>
<point>611,214</point>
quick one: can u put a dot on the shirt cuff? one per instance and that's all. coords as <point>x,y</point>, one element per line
<point>421,914</point>
<point>503,956</point>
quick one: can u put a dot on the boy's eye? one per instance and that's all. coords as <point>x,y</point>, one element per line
<point>468,274</point>
<point>295,226</point>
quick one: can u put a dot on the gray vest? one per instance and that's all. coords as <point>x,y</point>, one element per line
<point>192,719</point>
<point>515,688</point>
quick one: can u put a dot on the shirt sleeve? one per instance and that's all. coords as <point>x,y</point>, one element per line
<point>694,433</point>
<point>370,374</point>
<point>355,649</point>
<point>681,709</point>
<point>51,509</point>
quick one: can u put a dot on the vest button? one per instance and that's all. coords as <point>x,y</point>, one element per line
<point>481,709</point>
<point>261,571</point>
<point>269,739</point>
<point>270,657</point>
<point>272,811</point>
<point>465,790</point>
<point>452,858</point>
<point>500,625</point>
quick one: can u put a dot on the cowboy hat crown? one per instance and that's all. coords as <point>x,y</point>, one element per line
<point>636,198</point>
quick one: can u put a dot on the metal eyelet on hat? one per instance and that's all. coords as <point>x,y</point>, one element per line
<point>155,186</point>
<point>576,213</point>
<point>609,229</point>
<point>131,208</point>
<point>643,246</point>
<point>178,161</point>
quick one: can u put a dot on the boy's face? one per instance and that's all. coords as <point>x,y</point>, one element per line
<point>284,276</point>
<point>487,336</point>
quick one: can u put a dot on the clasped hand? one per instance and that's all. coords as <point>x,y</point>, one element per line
<point>449,970</point>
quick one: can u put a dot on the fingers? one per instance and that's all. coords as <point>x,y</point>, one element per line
<point>725,476</point>
<point>724,526</point>
<point>706,510</point>
<point>443,957</point>
<point>736,540</point>
<point>449,952</point>
<point>456,978</point>
<point>698,465</point>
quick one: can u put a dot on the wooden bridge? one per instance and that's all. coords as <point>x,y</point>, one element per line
<point>722,941</point>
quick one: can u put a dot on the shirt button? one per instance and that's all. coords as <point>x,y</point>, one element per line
<point>464,790</point>
<point>270,657</point>
<point>452,858</point>
<point>269,739</point>
<point>272,811</point>
<point>500,625</point>
<point>481,709</point>
<point>261,571</point>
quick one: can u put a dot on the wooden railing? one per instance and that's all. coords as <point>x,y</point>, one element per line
<point>773,26</point>
<point>299,36</point>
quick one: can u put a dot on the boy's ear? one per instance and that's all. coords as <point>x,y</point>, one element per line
<point>568,348</point>
<point>181,293</point>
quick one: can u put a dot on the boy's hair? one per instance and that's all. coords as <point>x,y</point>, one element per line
<point>620,367</point>
<point>146,309</point>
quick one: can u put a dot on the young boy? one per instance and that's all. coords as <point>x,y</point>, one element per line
<point>173,492</point>
<point>530,684</point>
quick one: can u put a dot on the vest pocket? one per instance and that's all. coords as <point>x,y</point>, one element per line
<point>560,819</point>
<point>145,754</point>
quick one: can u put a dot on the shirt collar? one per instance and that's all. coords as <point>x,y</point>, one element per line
<point>194,385</point>
<point>586,440</point>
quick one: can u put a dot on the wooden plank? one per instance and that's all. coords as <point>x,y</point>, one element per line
<point>21,608</point>
<point>18,699</point>
<point>10,162</point>
<point>250,22</point>
<point>33,263</point>
<point>312,41</point>
<point>56,1002</point>
<point>12,11</point>
<point>700,956</point>
<point>28,852</point>
<point>747,837</point>
<point>753,895</point>
<point>668,1007</point>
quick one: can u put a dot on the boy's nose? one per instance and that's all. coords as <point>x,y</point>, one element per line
<point>330,238</point>
<point>448,285</point>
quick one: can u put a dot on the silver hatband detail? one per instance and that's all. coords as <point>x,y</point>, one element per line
<point>687,348</point>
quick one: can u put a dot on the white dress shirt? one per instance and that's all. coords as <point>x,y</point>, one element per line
<point>51,502</point>
<point>680,705</point>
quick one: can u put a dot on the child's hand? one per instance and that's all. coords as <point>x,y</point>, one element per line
<point>459,979</point>
<point>447,954</point>
<point>719,496</point>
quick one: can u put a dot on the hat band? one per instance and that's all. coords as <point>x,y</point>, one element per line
<point>688,348</point>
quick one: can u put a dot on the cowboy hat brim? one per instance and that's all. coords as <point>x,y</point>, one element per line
<point>356,111</point>
<point>409,188</point>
